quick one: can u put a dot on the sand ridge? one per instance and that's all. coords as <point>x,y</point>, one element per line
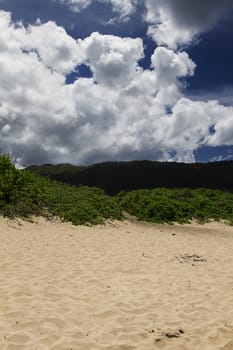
<point>121,286</point>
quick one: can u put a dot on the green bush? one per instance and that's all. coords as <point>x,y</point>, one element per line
<point>19,193</point>
<point>24,194</point>
<point>79,205</point>
<point>178,205</point>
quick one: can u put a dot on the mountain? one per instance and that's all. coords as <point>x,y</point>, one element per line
<point>114,177</point>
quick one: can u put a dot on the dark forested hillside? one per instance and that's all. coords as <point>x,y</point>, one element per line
<point>114,177</point>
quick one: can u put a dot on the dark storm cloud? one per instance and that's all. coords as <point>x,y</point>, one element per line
<point>198,13</point>
<point>175,23</point>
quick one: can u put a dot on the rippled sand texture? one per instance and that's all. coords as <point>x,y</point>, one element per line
<point>122,286</point>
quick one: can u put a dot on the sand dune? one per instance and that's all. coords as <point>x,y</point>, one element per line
<point>121,286</point>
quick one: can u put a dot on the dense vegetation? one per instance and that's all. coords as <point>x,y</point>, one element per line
<point>178,205</point>
<point>23,194</point>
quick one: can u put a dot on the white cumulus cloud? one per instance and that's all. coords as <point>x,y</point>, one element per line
<point>113,60</point>
<point>55,48</point>
<point>121,112</point>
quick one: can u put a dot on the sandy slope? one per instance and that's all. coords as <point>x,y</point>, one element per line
<point>122,286</point>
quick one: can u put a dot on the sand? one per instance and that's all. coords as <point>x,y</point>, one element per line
<point>122,286</point>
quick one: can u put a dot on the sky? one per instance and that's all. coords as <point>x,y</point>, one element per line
<point>87,81</point>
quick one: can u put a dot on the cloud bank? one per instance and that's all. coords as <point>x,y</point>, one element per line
<point>122,112</point>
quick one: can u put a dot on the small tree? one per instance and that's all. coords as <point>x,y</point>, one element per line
<point>9,179</point>
<point>19,190</point>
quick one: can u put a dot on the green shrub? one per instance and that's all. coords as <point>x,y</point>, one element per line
<point>23,194</point>
<point>19,192</point>
<point>178,205</point>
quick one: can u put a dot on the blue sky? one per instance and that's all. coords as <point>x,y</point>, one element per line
<point>85,81</point>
